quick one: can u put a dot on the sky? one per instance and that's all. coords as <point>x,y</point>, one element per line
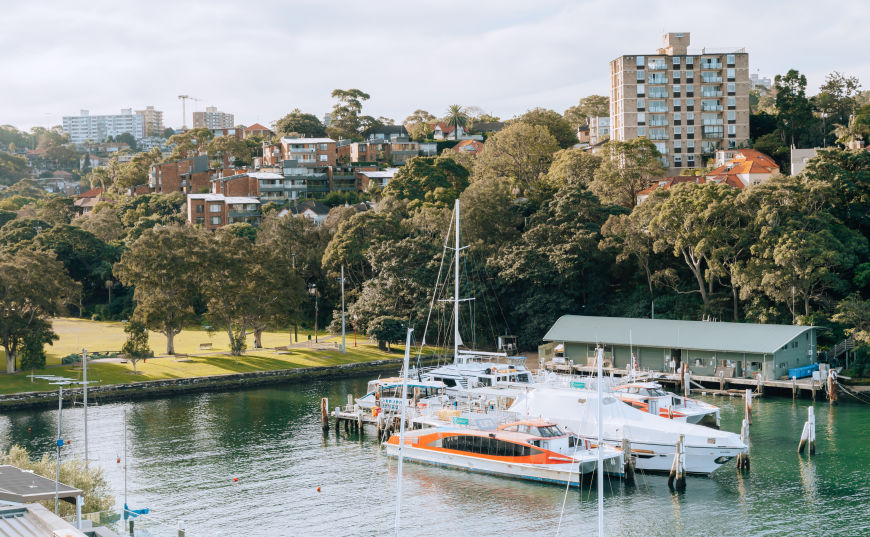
<point>260,60</point>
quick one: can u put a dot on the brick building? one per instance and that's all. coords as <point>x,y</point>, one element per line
<point>211,211</point>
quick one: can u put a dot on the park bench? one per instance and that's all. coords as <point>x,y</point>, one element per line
<point>205,346</point>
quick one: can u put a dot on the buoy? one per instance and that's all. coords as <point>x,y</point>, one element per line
<point>28,429</point>
<point>235,480</point>
<point>119,460</point>
<point>318,489</point>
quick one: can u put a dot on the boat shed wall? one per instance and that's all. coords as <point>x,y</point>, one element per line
<point>747,348</point>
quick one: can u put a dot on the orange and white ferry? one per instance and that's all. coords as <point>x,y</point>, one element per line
<point>536,450</point>
<point>651,398</point>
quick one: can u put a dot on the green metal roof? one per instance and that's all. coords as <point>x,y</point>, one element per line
<point>665,333</point>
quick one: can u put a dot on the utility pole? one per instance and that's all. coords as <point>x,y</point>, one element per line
<point>296,321</point>
<point>85,388</point>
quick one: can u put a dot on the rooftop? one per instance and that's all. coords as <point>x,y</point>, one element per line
<point>308,140</point>
<point>22,486</point>
<point>666,333</point>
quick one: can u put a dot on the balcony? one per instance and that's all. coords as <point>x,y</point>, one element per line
<point>713,135</point>
<point>711,107</point>
<point>711,92</point>
<point>711,63</point>
<point>711,79</point>
<point>242,214</point>
<point>713,121</point>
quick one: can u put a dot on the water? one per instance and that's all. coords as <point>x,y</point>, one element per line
<point>184,452</point>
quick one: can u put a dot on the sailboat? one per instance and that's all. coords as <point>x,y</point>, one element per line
<point>471,368</point>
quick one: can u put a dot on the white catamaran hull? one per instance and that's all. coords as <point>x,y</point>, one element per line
<point>562,474</point>
<point>659,458</point>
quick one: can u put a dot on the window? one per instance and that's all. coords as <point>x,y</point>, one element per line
<point>711,91</point>
<point>732,130</point>
<point>676,90</point>
<point>215,220</point>
<point>641,104</point>
<point>215,208</point>
<point>712,131</point>
<point>690,90</point>
<point>678,161</point>
<point>641,131</point>
<point>711,119</point>
<point>690,133</point>
<point>324,158</point>
<point>690,61</point>
<point>690,118</point>
<point>678,131</point>
<point>677,118</point>
<point>658,120</point>
<point>200,221</point>
<point>690,147</point>
<point>200,209</point>
<point>732,115</point>
<point>657,64</point>
<point>732,102</point>
<point>640,61</point>
<point>657,106</point>
<point>730,73</point>
<point>323,147</point>
<point>730,59</point>
<point>658,92</point>
<point>658,134</point>
<point>678,146</point>
<point>640,76</point>
<point>661,147</point>
<point>676,77</point>
<point>690,104</point>
<point>711,77</point>
<point>641,118</point>
<point>485,445</point>
<point>657,78</point>
<point>677,104</point>
<point>732,88</point>
<point>641,89</point>
<point>710,105</point>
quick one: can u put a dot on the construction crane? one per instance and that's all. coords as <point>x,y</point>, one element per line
<point>184,99</point>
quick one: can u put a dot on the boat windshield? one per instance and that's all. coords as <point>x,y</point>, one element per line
<point>544,431</point>
<point>656,392</point>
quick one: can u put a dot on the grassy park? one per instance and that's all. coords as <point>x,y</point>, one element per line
<point>94,336</point>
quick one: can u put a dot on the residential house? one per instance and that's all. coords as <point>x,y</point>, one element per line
<point>800,157</point>
<point>666,183</point>
<point>258,130</point>
<point>86,201</point>
<point>375,179</point>
<point>749,166</point>
<point>236,132</point>
<point>468,146</point>
<point>313,210</point>
<point>443,131</point>
<point>177,175</point>
<point>599,130</point>
<point>211,211</point>
<point>486,127</point>
<point>308,151</point>
<point>583,135</point>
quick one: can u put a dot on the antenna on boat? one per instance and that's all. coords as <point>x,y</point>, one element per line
<point>402,426</point>
<point>600,459</point>
<point>456,337</point>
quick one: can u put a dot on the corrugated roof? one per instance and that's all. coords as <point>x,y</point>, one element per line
<point>665,333</point>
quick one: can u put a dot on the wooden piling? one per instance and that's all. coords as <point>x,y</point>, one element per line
<point>721,381</point>
<point>808,435</point>
<point>760,388</point>
<point>628,462</point>
<point>743,458</point>
<point>324,415</point>
<point>793,388</point>
<point>687,384</point>
<point>748,407</point>
<point>832,387</point>
<point>677,476</point>
<point>813,388</point>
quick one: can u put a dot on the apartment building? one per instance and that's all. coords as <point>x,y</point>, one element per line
<point>599,130</point>
<point>308,151</point>
<point>85,127</point>
<point>690,104</point>
<point>211,211</point>
<point>212,118</point>
<point>152,121</point>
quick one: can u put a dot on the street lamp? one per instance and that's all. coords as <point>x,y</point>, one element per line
<point>354,329</point>
<point>312,290</point>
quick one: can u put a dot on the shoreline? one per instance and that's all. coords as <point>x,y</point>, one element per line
<point>152,389</point>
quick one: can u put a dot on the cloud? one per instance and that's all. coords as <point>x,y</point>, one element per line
<point>260,60</point>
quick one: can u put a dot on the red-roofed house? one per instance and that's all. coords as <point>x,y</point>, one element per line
<point>258,130</point>
<point>443,131</point>
<point>468,146</point>
<point>746,166</point>
<point>666,183</point>
<point>86,201</point>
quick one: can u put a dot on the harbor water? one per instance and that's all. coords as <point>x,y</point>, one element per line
<point>184,452</point>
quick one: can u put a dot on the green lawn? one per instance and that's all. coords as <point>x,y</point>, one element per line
<point>102,336</point>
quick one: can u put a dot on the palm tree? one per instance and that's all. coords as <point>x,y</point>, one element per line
<point>456,117</point>
<point>850,133</point>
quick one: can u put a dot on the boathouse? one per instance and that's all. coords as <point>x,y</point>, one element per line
<point>738,349</point>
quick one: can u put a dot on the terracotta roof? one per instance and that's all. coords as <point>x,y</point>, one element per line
<point>257,127</point>
<point>746,161</point>
<point>92,193</point>
<point>471,146</point>
<point>668,182</point>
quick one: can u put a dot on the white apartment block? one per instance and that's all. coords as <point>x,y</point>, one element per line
<point>689,104</point>
<point>599,130</point>
<point>212,118</point>
<point>85,127</point>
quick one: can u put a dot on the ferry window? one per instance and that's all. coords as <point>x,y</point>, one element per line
<point>486,446</point>
<point>524,377</point>
<point>484,381</point>
<point>450,383</point>
<point>548,431</point>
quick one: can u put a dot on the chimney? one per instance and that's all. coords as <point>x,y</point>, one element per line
<point>675,43</point>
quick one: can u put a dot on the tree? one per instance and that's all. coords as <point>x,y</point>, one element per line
<point>12,168</point>
<point>352,240</point>
<point>760,124</point>
<point>490,219</point>
<point>520,153</point>
<point>419,125</point>
<point>626,169</point>
<point>33,287</point>
<point>572,166</point>
<point>456,118</point>
<point>33,346</point>
<point>7,216</point>
<point>298,123</point>
<point>851,134</point>
<point>57,210</point>
<point>855,314</point>
<point>838,93</point>
<point>189,143</point>
<point>795,112</point>
<point>127,138</point>
<point>103,223</point>
<point>431,179</point>
<point>557,125</point>
<point>229,147</point>
<point>163,265</point>
<point>136,347</point>
<point>21,230</point>
<point>387,330</point>
<point>591,106</point>
<point>345,120</point>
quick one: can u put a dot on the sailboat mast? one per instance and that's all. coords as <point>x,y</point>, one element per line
<point>600,447</point>
<point>456,291</point>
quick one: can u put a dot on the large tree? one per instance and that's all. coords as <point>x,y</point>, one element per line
<point>591,106</point>
<point>570,166</point>
<point>626,169</point>
<point>456,118</point>
<point>793,106</point>
<point>346,119</point>
<point>189,143</point>
<point>164,265</point>
<point>419,125</point>
<point>34,286</point>
<point>557,125</point>
<point>430,179</point>
<point>520,153</point>
<point>298,123</point>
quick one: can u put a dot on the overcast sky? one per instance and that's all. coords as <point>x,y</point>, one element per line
<point>261,59</point>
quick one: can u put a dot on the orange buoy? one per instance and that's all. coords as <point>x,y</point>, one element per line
<point>235,480</point>
<point>318,489</point>
<point>119,460</point>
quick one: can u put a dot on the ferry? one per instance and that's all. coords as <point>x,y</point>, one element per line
<point>386,394</point>
<point>531,449</point>
<point>651,398</point>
